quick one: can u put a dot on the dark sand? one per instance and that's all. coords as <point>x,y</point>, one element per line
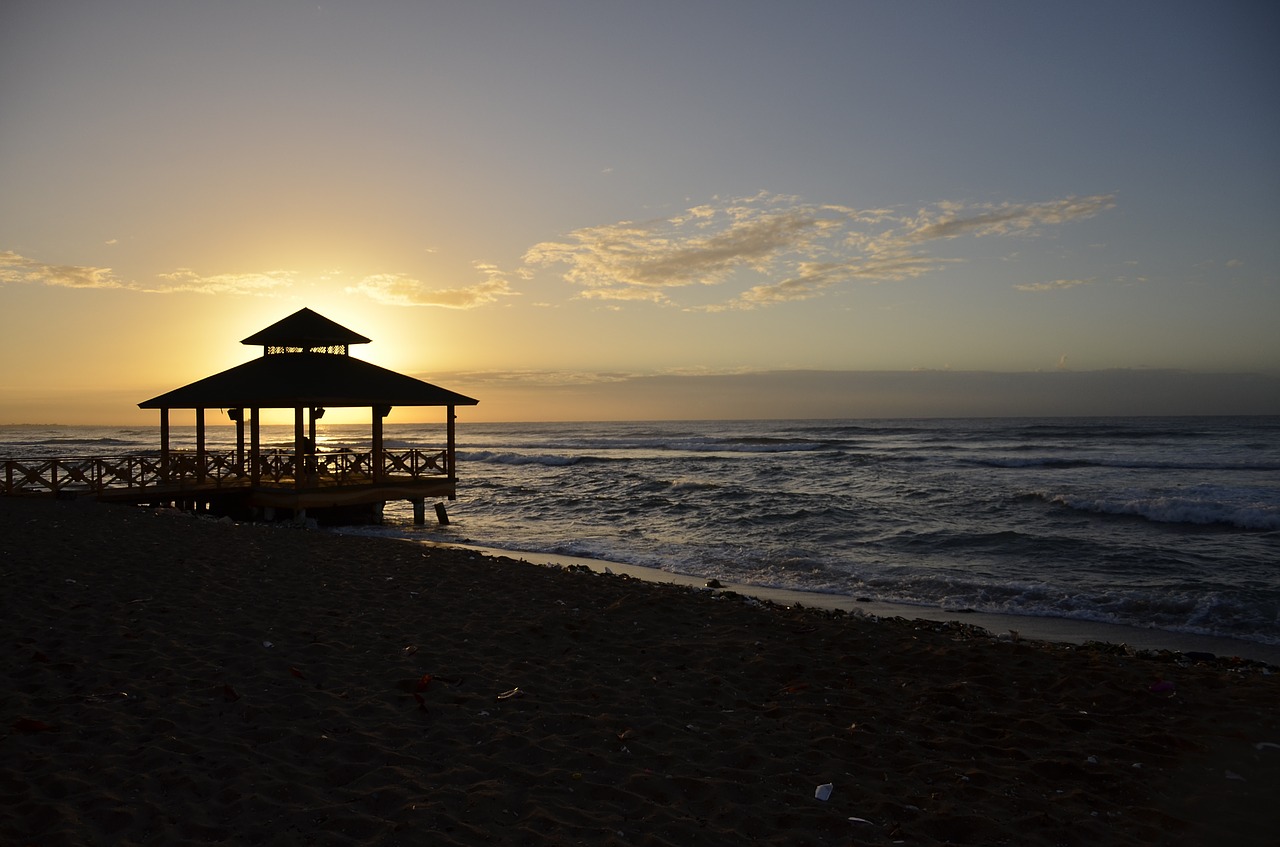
<point>174,680</point>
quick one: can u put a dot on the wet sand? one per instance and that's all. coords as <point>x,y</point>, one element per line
<point>1026,626</point>
<point>169,679</point>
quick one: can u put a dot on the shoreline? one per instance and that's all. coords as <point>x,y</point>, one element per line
<point>1031,627</point>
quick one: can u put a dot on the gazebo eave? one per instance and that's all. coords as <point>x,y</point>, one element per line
<point>306,379</point>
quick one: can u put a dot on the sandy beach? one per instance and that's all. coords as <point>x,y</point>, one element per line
<point>171,679</point>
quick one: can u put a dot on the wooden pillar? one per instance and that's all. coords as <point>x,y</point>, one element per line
<point>449,456</point>
<point>317,413</point>
<point>164,444</point>
<point>255,442</point>
<point>200,451</point>
<point>299,470</point>
<point>313,463</point>
<point>237,415</point>
<point>375,445</point>
<point>379,412</point>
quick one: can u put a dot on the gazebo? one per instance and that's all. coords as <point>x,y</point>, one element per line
<point>306,366</point>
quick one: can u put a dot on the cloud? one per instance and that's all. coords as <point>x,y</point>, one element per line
<point>796,250</point>
<point>814,277</point>
<point>646,294</point>
<point>952,220</point>
<point>15,269</point>
<point>403,290</point>
<point>19,269</point>
<point>390,288</point>
<point>1055,285</point>
<point>187,281</point>
<point>703,246</point>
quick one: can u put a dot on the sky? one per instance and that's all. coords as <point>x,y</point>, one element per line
<point>574,209</point>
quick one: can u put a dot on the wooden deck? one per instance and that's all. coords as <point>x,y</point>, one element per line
<point>223,481</point>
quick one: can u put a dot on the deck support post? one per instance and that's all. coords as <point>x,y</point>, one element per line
<point>379,412</point>
<point>255,439</point>
<point>442,515</point>
<point>317,412</point>
<point>450,417</point>
<point>450,457</point>
<point>200,451</point>
<point>299,471</point>
<point>419,511</point>
<point>237,415</point>
<point>164,444</point>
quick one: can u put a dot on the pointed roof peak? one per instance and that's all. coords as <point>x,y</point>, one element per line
<point>305,328</point>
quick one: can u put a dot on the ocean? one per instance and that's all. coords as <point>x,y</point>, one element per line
<point>1165,523</point>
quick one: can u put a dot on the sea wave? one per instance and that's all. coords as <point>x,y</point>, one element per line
<point>684,486</point>
<point>1086,432</point>
<point>1206,511</point>
<point>511,458</point>
<point>1069,462</point>
<point>1194,612</point>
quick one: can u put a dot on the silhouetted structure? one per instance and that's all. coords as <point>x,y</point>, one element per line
<point>306,366</point>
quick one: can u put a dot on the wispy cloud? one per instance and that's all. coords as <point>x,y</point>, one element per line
<point>185,280</point>
<point>390,288</point>
<point>952,220</point>
<point>1055,285</point>
<point>799,249</point>
<point>20,269</point>
<point>650,295</point>
<point>15,269</point>
<point>702,246</point>
<point>403,290</point>
<point>812,278</point>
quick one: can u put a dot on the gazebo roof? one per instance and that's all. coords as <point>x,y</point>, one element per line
<point>306,379</point>
<point>305,328</point>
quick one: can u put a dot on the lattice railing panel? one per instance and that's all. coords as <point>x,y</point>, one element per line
<point>415,463</point>
<point>218,469</point>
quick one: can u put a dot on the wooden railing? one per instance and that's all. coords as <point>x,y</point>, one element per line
<point>218,469</point>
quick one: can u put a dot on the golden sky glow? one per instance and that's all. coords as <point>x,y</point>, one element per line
<point>559,209</point>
